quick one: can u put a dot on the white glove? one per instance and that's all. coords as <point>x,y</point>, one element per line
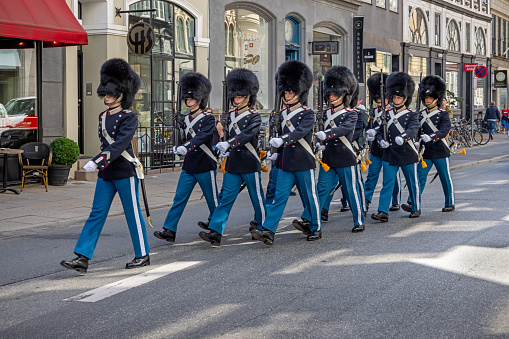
<point>271,156</point>
<point>371,133</point>
<point>417,144</point>
<point>223,146</point>
<point>174,149</point>
<point>425,137</point>
<point>321,148</point>
<point>321,135</point>
<point>224,154</point>
<point>90,166</point>
<point>384,144</point>
<point>181,150</point>
<point>399,140</point>
<point>276,142</point>
<point>370,138</point>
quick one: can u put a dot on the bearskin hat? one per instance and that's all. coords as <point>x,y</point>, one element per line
<point>400,84</point>
<point>243,83</point>
<point>340,81</point>
<point>195,86</point>
<point>374,85</point>
<point>294,76</point>
<point>117,78</point>
<point>432,86</point>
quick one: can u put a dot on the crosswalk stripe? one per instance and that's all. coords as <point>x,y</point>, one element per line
<point>128,283</point>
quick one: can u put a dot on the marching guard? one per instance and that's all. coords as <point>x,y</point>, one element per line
<point>200,163</point>
<point>119,169</point>
<point>376,151</point>
<point>341,91</point>
<point>296,159</point>
<point>243,163</point>
<point>435,124</point>
<point>402,125</point>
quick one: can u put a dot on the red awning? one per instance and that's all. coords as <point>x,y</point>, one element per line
<point>50,21</point>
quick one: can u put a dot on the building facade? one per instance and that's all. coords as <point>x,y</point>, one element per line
<point>500,50</point>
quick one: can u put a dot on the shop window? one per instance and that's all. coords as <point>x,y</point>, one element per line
<point>480,42</point>
<point>417,68</point>
<point>321,63</point>
<point>453,36</point>
<point>18,114</point>
<point>383,63</point>
<point>452,81</point>
<point>247,46</point>
<point>479,84</point>
<point>417,31</point>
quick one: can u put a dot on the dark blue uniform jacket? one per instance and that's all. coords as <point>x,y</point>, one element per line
<point>121,126</point>
<point>375,146</point>
<point>336,153</point>
<point>436,148</point>
<point>196,160</point>
<point>242,160</point>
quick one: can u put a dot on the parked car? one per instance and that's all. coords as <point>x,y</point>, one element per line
<point>18,122</point>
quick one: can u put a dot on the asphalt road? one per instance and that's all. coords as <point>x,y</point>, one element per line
<point>443,275</point>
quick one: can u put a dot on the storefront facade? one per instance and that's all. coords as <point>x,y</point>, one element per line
<point>440,39</point>
<point>500,51</point>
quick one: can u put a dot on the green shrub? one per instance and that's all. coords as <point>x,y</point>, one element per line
<point>65,151</point>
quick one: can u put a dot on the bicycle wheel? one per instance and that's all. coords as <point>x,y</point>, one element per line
<point>485,135</point>
<point>477,137</point>
<point>455,137</point>
<point>467,139</point>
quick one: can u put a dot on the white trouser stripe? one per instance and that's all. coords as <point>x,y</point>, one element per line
<point>417,188</point>
<point>315,199</point>
<point>213,181</point>
<point>258,194</point>
<point>359,181</point>
<point>137,217</point>
<point>356,196</point>
<point>398,178</point>
<point>450,180</point>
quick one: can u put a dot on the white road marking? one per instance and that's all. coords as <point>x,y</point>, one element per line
<point>128,283</point>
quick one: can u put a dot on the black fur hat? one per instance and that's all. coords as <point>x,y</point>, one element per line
<point>374,85</point>
<point>400,84</point>
<point>294,76</point>
<point>243,83</point>
<point>195,86</point>
<point>432,86</point>
<point>117,78</point>
<point>341,81</point>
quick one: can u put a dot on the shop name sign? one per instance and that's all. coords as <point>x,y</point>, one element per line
<point>469,67</point>
<point>501,79</point>
<point>358,34</point>
<point>247,37</point>
<point>140,38</point>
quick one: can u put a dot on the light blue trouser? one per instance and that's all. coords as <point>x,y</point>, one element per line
<point>348,178</point>
<point>372,179</point>
<point>271,186</point>
<point>305,181</point>
<point>231,184</point>
<point>185,186</point>
<point>105,191</point>
<point>390,173</point>
<point>443,169</point>
<point>360,187</point>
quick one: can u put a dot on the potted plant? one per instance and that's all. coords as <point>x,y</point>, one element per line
<point>65,153</point>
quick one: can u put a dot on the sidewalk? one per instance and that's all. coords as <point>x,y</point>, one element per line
<point>71,204</point>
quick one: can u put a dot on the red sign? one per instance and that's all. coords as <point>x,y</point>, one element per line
<point>481,71</point>
<point>469,67</point>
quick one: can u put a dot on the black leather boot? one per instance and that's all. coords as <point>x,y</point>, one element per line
<point>204,225</point>
<point>212,237</point>
<point>80,264</point>
<point>252,225</point>
<point>316,235</point>
<point>302,225</point>
<point>407,207</point>
<point>324,215</point>
<point>165,235</point>
<point>380,216</point>
<point>448,208</point>
<point>266,236</point>
<point>138,262</point>
<point>415,214</point>
<point>394,208</point>
<point>345,208</point>
<point>358,228</point>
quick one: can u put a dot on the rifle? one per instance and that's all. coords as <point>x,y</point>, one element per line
<point>177,119</point>
<point>319,126</point>
<point>226,114</point>
<point>418,104</point>
<point>275,121</point>
<point>382,97</point>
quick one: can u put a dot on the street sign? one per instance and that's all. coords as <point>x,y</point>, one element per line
<point>469,67</point>
<point>369,54</point>
<point>481,71</point>
<point>500,79</point>
<point>140,38</point>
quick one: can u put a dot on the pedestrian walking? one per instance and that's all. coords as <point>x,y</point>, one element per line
<point>401,153</point>
<point>200,163</point>
<point>119,169</point>
<point>243,164</point>
<point>492,116</point>
<point>505,119</point>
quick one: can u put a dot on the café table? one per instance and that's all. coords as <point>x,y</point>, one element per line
<point>6,152</point>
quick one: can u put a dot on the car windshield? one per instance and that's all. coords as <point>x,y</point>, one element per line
<point>20,107</point>
<point>3,112</point>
